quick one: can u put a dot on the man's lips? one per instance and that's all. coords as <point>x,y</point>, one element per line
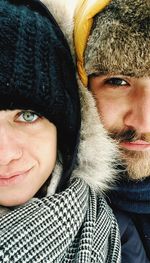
<point>138,145</point>
<point>13,178</point>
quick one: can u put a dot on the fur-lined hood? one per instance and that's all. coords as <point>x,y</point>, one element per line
<point>96,150</point>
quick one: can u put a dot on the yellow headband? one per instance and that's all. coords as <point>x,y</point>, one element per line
<point>85,11</point>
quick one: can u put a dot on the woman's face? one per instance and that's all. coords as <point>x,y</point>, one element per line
<point>28,144</point>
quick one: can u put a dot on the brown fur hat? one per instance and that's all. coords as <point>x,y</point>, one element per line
<point>120,39</point>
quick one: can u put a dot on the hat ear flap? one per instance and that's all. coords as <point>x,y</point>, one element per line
<point>84,14</point>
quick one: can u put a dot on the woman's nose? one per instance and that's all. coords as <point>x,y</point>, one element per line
<point>9,147</point>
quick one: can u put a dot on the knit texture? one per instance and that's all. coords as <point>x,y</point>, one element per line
<point>119,40</point>
<point>73,226</point>
<point>37,72</point>
<point>133,198</point>
<point>35,58</point>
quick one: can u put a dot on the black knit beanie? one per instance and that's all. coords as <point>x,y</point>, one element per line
<point>37,72</point>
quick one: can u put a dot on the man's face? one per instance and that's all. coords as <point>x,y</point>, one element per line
<point>124,106</point>
<point>27,155</point>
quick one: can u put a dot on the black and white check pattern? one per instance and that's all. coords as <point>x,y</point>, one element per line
<point>73,226</point>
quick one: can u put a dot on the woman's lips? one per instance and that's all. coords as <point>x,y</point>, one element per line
<point>14,178</point>
<point>138,145</point>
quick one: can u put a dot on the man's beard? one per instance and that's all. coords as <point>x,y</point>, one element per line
<point>135,164</point>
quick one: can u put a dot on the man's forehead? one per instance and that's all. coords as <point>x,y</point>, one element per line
<point>118,74</point>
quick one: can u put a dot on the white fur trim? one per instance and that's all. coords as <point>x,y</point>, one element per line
<point>97,152</point>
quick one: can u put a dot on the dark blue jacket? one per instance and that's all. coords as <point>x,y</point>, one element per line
<point>132,247</point>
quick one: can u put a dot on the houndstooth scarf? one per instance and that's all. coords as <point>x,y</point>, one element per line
<point>73,226</point>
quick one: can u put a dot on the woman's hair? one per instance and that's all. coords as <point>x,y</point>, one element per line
<point>37,73</point>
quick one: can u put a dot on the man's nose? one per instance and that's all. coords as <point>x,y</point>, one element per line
<point>138,115</point>
<point>9,147</point>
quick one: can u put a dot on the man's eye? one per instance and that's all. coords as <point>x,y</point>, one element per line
<point>27,116</point>
<point>116,82</point>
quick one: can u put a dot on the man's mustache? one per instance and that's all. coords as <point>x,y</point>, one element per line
<point>129,136</point>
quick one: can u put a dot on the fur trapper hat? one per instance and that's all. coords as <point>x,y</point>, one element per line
<point>119,41</point>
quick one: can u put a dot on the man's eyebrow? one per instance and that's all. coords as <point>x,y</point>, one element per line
<point>111,74</point>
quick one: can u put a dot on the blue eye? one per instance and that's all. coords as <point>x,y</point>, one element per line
<point>116,82</point>
<point>27,116</point>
